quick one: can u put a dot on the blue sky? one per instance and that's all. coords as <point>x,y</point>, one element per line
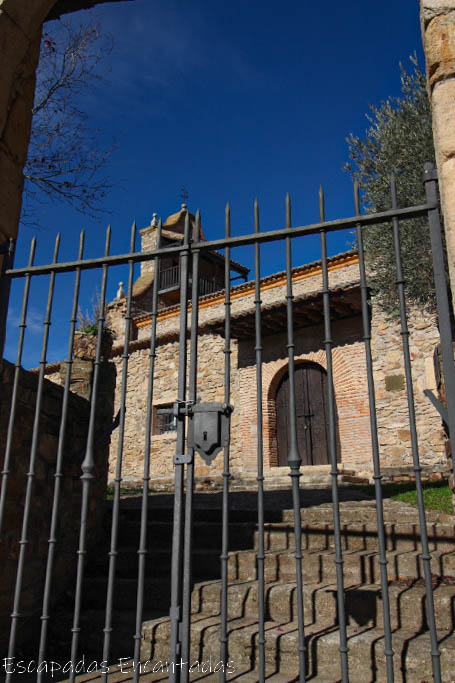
<point>231,100</point>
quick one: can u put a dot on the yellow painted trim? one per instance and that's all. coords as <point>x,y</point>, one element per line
<point>280,282</point>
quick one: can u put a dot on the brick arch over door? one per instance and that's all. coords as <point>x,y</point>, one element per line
<point>351,398</point>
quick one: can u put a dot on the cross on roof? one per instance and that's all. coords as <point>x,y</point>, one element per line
<point>184,195</point>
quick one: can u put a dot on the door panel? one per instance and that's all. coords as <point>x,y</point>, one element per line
<point>311,412</point>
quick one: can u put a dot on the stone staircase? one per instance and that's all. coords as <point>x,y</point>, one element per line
<point>411,641</point>
<point>363,594</point>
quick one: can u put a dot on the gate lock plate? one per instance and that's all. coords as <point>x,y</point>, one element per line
<point>208,428</point>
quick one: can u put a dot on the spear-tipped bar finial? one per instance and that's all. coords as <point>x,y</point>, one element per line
<point>56,247</point>
<point>227,221</point>
<point>356,198</point>
<point>197,226</point>
<point>133,236</point>
<point>32,251</point>
<point>187,229</point>
<point>288,210</point>
<point>393,190</point>
<point>321,204</point>
<point>158,234</point>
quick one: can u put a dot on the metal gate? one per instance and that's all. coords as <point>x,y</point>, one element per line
<point>204,429</point>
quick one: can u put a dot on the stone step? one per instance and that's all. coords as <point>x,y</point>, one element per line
<point>206,563</point>
<point>364,511</point>
<point>124,673</point>
<point>359,566</point>
<point>319,566</point>
<point>366,649</point>
<point>317,535</point>
<point>320,536</point>
<point>363,603</point>
<point>206,534</point>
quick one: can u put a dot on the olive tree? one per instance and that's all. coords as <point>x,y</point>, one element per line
<point>399,138</point>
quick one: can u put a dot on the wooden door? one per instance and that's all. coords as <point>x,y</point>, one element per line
<point>312,415</point>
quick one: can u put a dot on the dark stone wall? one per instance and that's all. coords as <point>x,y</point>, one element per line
<point>43,489</point>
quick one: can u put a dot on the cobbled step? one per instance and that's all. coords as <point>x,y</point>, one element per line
<point>206,534</point>
<point>363,603</point>
<point>206,563</point>
<point>366,649</point>
<point>320,536</point>
<point>125,673</point>
<point>319,566</point>
<point>365,511</point>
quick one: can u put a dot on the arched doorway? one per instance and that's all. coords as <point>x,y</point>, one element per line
<point>311,394</point>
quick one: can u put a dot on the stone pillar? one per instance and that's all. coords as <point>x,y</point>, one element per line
<point>438,33</point>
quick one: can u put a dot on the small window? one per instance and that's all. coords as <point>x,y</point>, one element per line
<point>165,422</point>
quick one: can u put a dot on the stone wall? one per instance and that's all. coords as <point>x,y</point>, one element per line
<point>43,487</point>
<point>350,382</point>
<point>351,396</point>
<point>391,394</point>
<point>210,388</point>
<point>438,33</point>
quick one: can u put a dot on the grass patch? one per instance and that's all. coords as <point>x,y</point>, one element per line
<point>124,491</point>
<point>436,495</point>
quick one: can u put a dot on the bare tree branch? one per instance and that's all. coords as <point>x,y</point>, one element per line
<point>66,162</point>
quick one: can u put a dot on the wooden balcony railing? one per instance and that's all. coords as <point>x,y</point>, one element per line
<point>170,279</point>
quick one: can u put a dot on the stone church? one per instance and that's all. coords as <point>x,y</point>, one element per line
<point>349,371</point>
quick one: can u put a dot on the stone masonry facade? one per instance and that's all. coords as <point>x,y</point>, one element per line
<point>349,375</point>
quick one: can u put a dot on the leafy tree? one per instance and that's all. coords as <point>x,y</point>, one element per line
<point>66,162</point>
<point>398,139</point>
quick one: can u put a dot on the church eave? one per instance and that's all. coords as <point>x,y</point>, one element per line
<point>267,282</point>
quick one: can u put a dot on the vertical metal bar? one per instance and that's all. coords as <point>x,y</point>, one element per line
<point>260,465</point>
<point>88,465</point>
<point>442,299</point>
<point>294,459</point>
<point>224,653</point>
<point>17,370</point>
<point>45,616</point>
<point>192,395</point>
<point>177,534</point>
<point>118,470</point>
<point>142,552</point>
<point>426,557</point>
<point>328,343</point>
<point>31,470</point>
<point>7,250</point>
<point>377,477</point>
